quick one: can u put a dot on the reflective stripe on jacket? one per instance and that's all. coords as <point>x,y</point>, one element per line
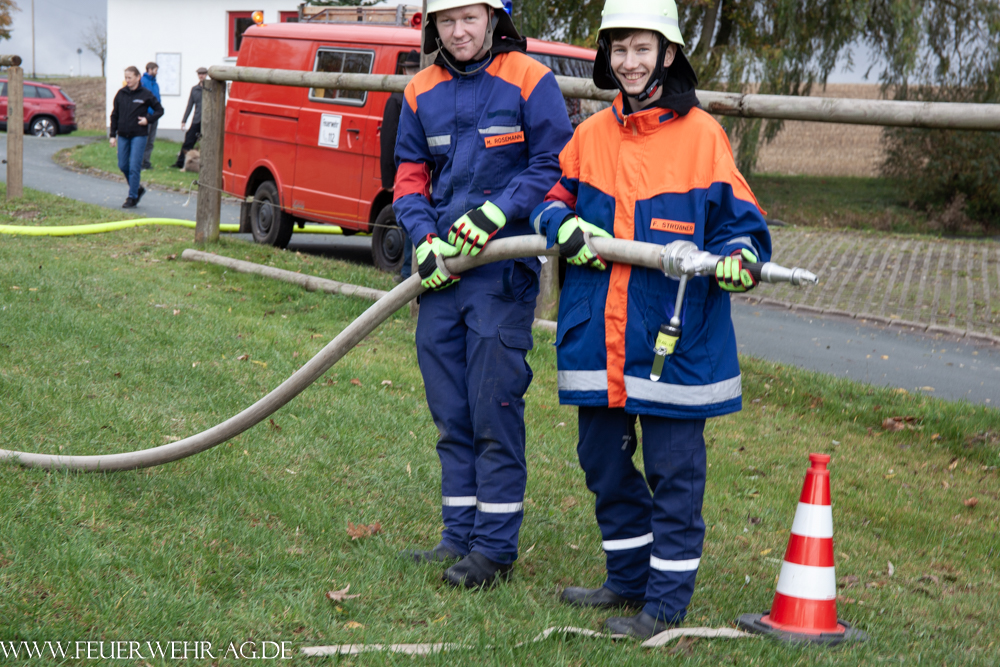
<point>656,177</point>
<point>490,136</point>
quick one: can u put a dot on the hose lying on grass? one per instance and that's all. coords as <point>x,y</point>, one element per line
<point>102,227</point>
<point>635,253</point>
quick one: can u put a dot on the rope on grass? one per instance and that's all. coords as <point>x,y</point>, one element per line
<point>661,639</point>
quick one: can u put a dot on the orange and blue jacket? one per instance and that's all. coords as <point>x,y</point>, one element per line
<point>657,177</point>
<point>490,136</point>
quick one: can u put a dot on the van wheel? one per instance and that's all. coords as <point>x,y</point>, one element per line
<point>388,242</point>
<point>268,223</point>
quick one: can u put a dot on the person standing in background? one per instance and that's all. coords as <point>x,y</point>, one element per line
<point>149,83</point>
<point>387,156</point>
<point>194,103</point>
<point>133,111</point>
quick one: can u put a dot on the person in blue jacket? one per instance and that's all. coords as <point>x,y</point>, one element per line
<point>149,83</point>
<point>477,148</point>
<point>654,167</point>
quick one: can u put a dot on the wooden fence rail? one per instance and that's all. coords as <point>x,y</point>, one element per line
<point>939,115</point>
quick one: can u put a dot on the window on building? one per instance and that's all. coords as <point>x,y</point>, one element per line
<point>346,62</point>
<point>288,17</point>
<point>238,23</point>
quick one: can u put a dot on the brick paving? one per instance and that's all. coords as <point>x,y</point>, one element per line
<point>937,285</point>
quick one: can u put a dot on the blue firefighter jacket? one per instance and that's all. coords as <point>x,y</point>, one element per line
<point>490,136</point>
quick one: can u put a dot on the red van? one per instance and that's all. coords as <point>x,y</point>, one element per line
<point>312,155</point>
<point>48,110</point>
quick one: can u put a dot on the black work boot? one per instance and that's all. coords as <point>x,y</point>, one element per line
<point>179,164</point>
<point>142,191</point>
<point>598,598</point>
<point>477,571</point>
<point>640,626</point>
<point>442,553</point>
<point>129,203</point>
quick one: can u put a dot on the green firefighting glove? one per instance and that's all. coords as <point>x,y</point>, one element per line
<point>573,247</point>
<point>731,275</point>
<point>471,232</point>
<point>428,250</point>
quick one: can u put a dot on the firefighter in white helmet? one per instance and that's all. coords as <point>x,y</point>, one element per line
<point>655,168</point>
<point>477,149</point>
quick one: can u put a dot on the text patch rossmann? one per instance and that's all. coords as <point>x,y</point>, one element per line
<point>673,226</point>
<point>505,139</point>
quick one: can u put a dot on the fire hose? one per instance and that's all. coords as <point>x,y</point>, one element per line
<point>679,260</point>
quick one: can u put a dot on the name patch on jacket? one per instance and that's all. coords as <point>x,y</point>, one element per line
<point>506,140</point>
<point>673,226</point>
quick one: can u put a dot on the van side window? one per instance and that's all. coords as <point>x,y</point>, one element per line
<point>346,62</point>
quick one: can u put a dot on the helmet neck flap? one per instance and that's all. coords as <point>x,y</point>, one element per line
<point>606,79</point>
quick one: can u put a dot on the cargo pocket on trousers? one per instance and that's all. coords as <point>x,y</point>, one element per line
<point>515,344</point>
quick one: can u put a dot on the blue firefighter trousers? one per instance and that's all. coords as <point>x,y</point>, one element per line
<point>652,528</point>
<point>472,341</point>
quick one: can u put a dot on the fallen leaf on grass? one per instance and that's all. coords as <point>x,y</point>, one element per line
<point>971,502</point>
<point>560,424</point>
<point>195,364</point>
<point>945,484</point>
<point>243,357</point>
<point>892,569</point>
<point>953,464</point>
<point>274,425</point>
<point>929,577</point>
<point>295,355</point>
<point>260,363</point>
<point>573,547</point>
<point>849,580</point>
<point>936,436</point>
<point>754,520</point>
<point>766,552</point>
<point>568,502</point>
<point>898,423</point>
<point>361,530</point>
<point>352,625</point>
<point>844,600</point>
<point>341,595</point>
<point>356,381</point>
<point>386,383</point>
<point>171,257</point>
<point>176,312</point>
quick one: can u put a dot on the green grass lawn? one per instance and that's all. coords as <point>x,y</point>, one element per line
<point>109,345</point>
<point>838,203</point>
<point>101,156</point>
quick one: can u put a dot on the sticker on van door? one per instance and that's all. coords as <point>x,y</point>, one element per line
<point>329,130</point>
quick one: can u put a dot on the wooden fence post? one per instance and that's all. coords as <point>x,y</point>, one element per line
<point>15,132</point>
<point>213,124</point>
<point>547,305</point>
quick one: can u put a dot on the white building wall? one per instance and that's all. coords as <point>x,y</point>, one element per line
<point>196,29</point>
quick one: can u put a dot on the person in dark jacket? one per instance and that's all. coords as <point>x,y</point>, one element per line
<point>134,109</point>
<point>390,124</point>
<point>149,83</point>
<point>194,103</point>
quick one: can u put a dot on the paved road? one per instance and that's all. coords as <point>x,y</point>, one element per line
<point>936,365</point>
<point>954,368</point>
<point>41,173</point>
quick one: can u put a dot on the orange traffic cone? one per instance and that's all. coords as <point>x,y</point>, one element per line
<point>805,604</point>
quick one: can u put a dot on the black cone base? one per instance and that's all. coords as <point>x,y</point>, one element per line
<point>752,623</point>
